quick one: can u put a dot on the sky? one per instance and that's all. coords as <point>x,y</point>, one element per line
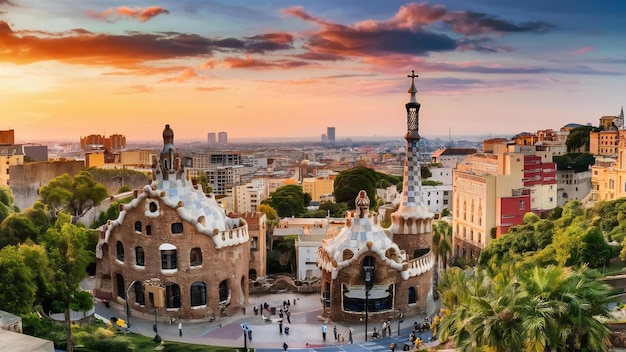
<point>271,69</point>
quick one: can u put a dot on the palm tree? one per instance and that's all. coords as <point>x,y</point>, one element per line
<point>442,236</point>
<point>536,309</point>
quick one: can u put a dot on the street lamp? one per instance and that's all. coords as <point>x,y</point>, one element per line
<point>156,295</point>
<point>400,316</point>
<point>128,306</point>
<point>369,283</point>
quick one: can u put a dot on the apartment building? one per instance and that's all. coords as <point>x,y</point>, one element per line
<point>492,192</point>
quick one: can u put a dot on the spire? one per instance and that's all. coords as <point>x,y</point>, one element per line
<point>413,90</point>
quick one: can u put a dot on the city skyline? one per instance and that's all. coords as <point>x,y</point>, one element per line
<point>281,69</point>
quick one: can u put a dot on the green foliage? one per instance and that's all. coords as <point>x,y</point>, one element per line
<point>124,189</point>
<point>288,201</point>
<point>17,289</point>
<point>578,138</point>
<point>82,302</point>
<point>431,183</point>
<point>574,161</point>
<point>37,215</point>
<point>336,210</point>
<point>112,212</point>
<point>595,251</point>
<point>270,213</point>
<point>76,194</point>
<point>349,182</point>
<point>6,202</point>
<point>531,309</point>
<point>36,259</point>
<point>425,172</point>
<point>17,228</point>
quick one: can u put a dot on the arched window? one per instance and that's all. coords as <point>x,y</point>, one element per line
<point>177,227</point>
<point>138,226</point>
<point>195,257</point>
<point>224,292</point>
<point>139,256</point>
<point>153,207</point>
<point>140,297</point>
<point>120,251</point>
<point>169,260</point>
<point>121,289</point>
<point>198,294</point>
<point>172,296</point>
<point>412,295</point>
<point>369,261</point>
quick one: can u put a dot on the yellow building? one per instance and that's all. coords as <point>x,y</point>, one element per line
<point>94,158</point>
<point>141,158</point>
<point>10,155</point>
<point>608,179</point>
<point>317,187</point>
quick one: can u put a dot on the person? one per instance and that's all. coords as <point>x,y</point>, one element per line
<point>288,317</point>
<point>389,327</point>
<point>285,346</point>
<point>392,347</point>
<point>335,332</point>
<point>384,329</point>
<point>418,343</point>
<point>350,336</point>
<point>250,334</point>
<point>375,333</point>
<point>324,331</point>
<point>180,329</point>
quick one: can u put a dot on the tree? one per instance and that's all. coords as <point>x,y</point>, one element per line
<point>76,194</point>
<point>65,244</point>
<point>288,201</point>
<point>442,237</point>
<point>578,138</point>
<point>349,182</point>
<point>17,289</point>
<point>36,258</point>
<point>595,252</point>
<point>17,228</point>
<point>536,309</point>
<point>270,213</point>
<point>6,202</point>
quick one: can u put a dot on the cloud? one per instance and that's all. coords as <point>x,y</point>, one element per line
<point>141,14</point>
<point>7,2</point>
<point>256,64</point>
<point>416,29</point>
<point>583,50</point>
<point>126,51</point>
<point>186,75</point>
<point>134,89</point>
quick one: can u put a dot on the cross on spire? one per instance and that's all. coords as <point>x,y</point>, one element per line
<point>412,90</point>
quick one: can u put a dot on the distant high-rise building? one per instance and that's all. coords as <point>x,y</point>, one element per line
<point>211,138</point>
<point>114,142</point>
<point>324,138</point>
<point>222,138</point>
<point>330,134</point>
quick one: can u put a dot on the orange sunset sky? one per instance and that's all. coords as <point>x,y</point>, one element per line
<point>70,68</point>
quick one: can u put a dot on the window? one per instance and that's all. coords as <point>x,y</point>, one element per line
<point>138,226</point>
<point>195,257</point>
<point>168,259</point>
<point>177,227</point>
<point>254,244</point>
<point>148,230</point>
<point>172,296</point>
<point>412,295</point>
<point>224,292</point>
<point>252,274</point>
<point>120,286</point>
<point>139,257</point>
<point>140,297</point>
<point>120,251</point>
<point>153,207</point>
<point>198,294</point>
<point>521,205</point>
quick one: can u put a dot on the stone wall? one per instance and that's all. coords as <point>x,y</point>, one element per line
<point>26,179</point>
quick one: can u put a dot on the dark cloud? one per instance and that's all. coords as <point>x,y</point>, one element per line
<point>79,46</point>
<point>416,29</point>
